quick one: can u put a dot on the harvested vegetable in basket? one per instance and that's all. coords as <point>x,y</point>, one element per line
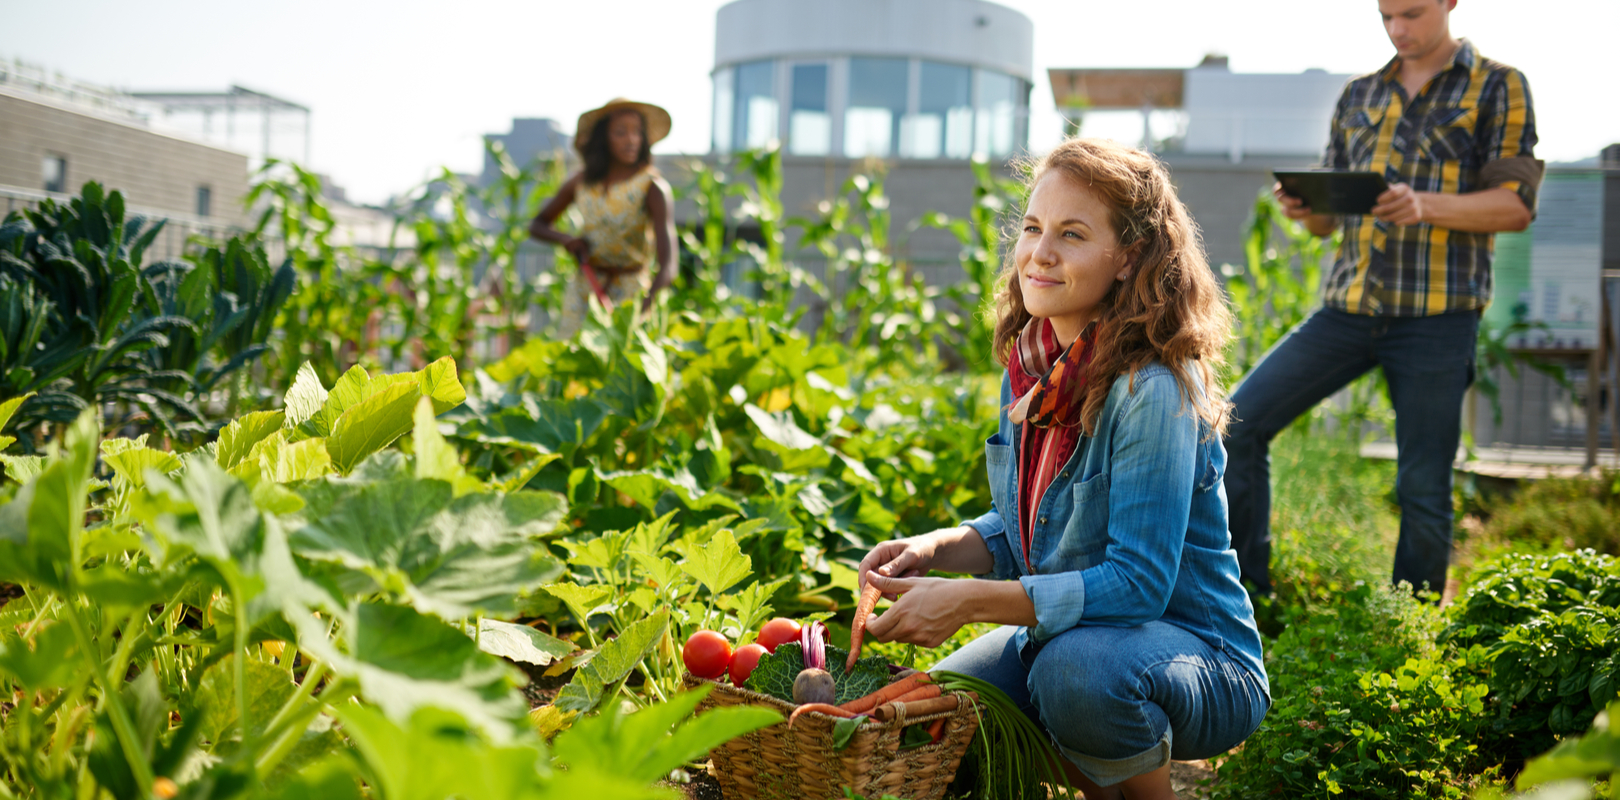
<point>776,672</point>
<point>1010,757</point>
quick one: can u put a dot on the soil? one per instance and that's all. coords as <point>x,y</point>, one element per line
<point>1191,779</point>
<point>541,690</point>
<point>699,786</point>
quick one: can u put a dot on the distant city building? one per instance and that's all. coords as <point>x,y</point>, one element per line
<point>920,79</point>
<point>1223,113</point>
<point>921,86</point>
<point>56,134</point>
<point>531,139</point>
<point>185,156</point>
<point>1231,130</point>
<point>262,125</point>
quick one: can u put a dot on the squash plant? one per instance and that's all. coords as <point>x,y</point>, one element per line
<point>298,608</point>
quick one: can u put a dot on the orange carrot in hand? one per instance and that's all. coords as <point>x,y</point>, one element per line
<point>824,708</point>
<point>888,693</point>
<point>869,598</point>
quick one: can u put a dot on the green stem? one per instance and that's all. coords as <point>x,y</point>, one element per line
<point>240,668</point>
<point>652,683</point>
<point>122,728</point>
<point>305,690</point>
<point>287,732</point>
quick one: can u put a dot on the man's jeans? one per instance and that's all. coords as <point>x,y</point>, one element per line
<point>1428,363</point>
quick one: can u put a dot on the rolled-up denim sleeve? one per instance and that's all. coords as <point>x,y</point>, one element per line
<point>1154,458</point>
<point>993,531</point>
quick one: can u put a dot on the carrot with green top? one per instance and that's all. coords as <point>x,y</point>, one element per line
<point>869,598</point>
<point>888,693</point>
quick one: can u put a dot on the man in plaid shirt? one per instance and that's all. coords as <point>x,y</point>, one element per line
<point>1453,133</point>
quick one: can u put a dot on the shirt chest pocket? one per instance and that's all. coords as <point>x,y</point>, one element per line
<point>1085,538</point>
<point>1361,135</point>
<point>1448,135</point>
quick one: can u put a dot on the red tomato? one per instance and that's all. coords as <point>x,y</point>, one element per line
<point>743,663</point>
<point>707,654</point>
<point>778,631</point>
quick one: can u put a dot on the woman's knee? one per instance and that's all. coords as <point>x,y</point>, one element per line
<point>1090,699</point>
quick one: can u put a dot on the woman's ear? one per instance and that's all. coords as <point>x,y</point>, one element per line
<point>1128,262</point>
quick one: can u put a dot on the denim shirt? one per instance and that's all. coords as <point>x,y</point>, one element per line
<point>1133,529</point>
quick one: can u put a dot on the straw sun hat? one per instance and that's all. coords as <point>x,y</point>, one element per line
<point>657,120</point>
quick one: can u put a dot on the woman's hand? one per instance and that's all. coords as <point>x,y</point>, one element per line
<point>899,558</point>
<point>929,611</point>
<point>578,248</point>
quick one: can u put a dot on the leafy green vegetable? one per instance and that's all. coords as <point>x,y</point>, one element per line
<point>775,673</point>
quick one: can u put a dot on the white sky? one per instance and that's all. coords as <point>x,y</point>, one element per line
<point>398,89</point>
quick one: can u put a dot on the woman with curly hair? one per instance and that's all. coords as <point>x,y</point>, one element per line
<point>626,221</point>
<point>1106,559</point>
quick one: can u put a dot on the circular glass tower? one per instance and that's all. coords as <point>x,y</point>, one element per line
<point>909,79</point>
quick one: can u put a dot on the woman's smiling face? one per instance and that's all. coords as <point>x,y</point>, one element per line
<point>1068,254</point>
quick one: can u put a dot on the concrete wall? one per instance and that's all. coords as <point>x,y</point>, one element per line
<point>1220,196</point>
<point>156,172</point>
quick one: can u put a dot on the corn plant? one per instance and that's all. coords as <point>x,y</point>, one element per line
<point>327,319</point>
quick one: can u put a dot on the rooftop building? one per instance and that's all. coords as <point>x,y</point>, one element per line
<point>914,79</point>
<point>1221,112</point>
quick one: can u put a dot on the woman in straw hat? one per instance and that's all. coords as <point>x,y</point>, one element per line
<point>625,210</point>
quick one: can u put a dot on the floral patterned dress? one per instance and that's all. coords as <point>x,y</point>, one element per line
<point>613,218</point>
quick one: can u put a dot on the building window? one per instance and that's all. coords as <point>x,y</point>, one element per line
<point>757,108</point>
<point>724,103</point>
<point>877,103</point>
<point>205,201</point>
<point>943,124</point>
<point>809,124</point>
<point>55,173</point>
<point>999,119</point>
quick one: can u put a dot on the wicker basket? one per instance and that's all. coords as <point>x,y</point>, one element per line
<point>776,763</point>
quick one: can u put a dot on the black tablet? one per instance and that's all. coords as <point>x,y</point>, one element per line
<point>1334,191</point>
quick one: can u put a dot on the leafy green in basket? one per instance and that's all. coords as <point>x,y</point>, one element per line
<point>775,673</point>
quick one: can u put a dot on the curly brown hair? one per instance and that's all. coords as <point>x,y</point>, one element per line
<point>1169,309</point>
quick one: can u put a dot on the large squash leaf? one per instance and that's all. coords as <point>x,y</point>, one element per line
<point>450,556</point>
<point>521,643</point>
<point>371,424</point>
<point>237,439</point>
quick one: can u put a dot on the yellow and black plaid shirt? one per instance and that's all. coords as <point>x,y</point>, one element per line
<point>1475,112</point>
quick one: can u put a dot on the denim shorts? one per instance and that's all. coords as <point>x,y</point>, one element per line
<point>1121,702</point>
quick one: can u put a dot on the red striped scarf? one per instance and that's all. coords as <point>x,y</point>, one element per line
<point>1048,379</point>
